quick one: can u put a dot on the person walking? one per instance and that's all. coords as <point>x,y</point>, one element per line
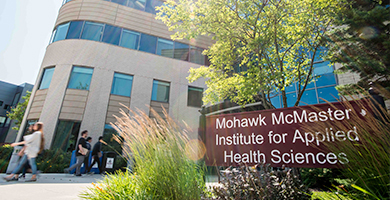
<point>81,151</point>
<point>96,154</point>
<point>34,144</point>
<point>86,160</point>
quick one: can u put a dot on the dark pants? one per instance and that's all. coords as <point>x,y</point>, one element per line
<point>95,159</point>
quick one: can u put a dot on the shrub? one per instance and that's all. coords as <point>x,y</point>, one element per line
<point>162,168</point>
<point>320,178</point>
<point>260,182</point>
<point>369,159</point>
<point>53,160</point>
<point>5,156</point>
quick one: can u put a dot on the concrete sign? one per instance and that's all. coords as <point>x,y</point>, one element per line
<point>276,137</point>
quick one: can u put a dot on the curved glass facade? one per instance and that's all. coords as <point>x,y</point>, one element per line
<point>106,33</point>
<point>323,87</point>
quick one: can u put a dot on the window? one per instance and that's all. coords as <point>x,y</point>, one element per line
<point>65,1</point>
<point>323,68</point>
<point>151,6</point>
<point>80,78</point>
<point>75,30</point>
<point>181,51</point>
<point>7,107</point>
<point>1,103</point>
<point>195,96</point>
<point>196,55</point>
<point>148,43</point>
<point>326,80</point>
<point>61,31</point>
<point>160,91</point>
<point>276,101</point>
<point>2,121</point>
<point>291,99</point>
<point>92,31</point>
<point>121,2</point>
<point>328,93</point>
<point>16,99</point>
<point>111,34</point>
<point>46,78</point>
<point>129,39</point>
<point>137,4</point>
<point>308,97</point>
<point>290,88</point>
<point>121,85</point>
<point>165,48</point>
<point>66,135</point>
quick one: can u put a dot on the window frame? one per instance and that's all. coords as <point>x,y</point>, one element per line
<point>43,76</point>
<point>169,91</point>
<point>70,77</point>
<point>188,96</point>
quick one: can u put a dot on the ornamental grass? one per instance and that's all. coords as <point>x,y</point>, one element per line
<point>160,151</point>
<point>369,158</point>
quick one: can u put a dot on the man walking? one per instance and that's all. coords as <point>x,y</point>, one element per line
<point>81,151</point>
<point>96,154</point>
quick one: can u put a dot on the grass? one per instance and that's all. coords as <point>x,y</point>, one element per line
<point>161,151</point>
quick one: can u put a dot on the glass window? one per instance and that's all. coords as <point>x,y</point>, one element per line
<point>148,43</point>
<point>276,101</point>
<point>129,39</point>
<point>65,1</point>
<point>121,2</point>
<point>80,78</point>
<point>323,68</point>
<point>52,36</point>
<point>291,99</point>
<point>165,47</point>
<point>46,78</point>
<point>66,135</point>
<point>2,121</point>
<point>290,88</point>
<point>92,31</point>
<point>160,91</point>
<point>1,103</point>
<point>61,32</point>
<point>151,6</point>
<point>308,97</point>
<point>195,97</point>
<point>75,30</point>
<point>16,99</point>
<point>121,85</point>
<point>181,51</point>
<point>325,80</point>
<point>196,55</point>
<point>111,34</point>
<point>137,4</point>
<point>328,93</point>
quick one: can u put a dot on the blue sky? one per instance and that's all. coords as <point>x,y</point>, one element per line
<point>25,30</point>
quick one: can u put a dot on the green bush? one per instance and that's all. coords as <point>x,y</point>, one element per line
<point>260,182</point>
<point>53,161</point>
<point>320,178</point>
<point>162,169</point>
<point>5,156</point>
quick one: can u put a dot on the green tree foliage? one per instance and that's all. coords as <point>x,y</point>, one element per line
<point>260,45</point>
<point>361,42</point>
<point>17,113</point>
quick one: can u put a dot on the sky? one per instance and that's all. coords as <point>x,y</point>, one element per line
<point>25,31</point>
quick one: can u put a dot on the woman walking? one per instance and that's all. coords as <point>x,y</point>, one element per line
<point>34,143</point>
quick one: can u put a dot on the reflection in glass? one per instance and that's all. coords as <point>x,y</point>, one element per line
<point>195,96</point>
<point>137,4</point>
<point>80,78</point>
<point>151,6</point>
<point>148,43</point>
<point>129,39</point>
<point>121,2</point>
<point>92,31</point>
<point>121,85</point>
<point>46,78</point>
<point>111,34</point>
<point>291,99</point>
<point>323,68</point>
<point>61,32</point>
<point>196,55</point>
<point>326,79</point>
<point>75,30</point>
<point>181,51</point>
<point>308,97</point>
<point>276,101</point>
<point>160,91</point>
<point>328,93</point>
<point>66,135</point>
<point>165,48</point>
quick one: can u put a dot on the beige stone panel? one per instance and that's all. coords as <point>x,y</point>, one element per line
<point>36,109</point>
<point>71,116</point>
<point>77,92</point>
<point>33,116</point>
<point>111,114</point>
<point>69,97</point>
<point>37,104</point>
<point>69,11</point>
<point>41,92</point>
<point>118,104</point>
<point>73,110</point>
<point>40,97</point>
<point>159,104</point>
<point>73,104</point>
<point>116,109</point>
<point>119,98</point>
<point>110,120</point>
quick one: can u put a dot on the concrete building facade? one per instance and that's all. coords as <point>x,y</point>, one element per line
<point>103,54</point>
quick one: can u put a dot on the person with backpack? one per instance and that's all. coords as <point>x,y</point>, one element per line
<point>34,144</point>
<point>96,154</point>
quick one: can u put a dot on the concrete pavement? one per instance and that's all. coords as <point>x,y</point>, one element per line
<point>47,187</point>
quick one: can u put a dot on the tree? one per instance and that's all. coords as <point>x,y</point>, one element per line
<point>261,46</point>
<point>361,42</point>
<point>17,113</point>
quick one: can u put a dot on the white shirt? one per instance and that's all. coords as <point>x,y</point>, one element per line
<point>33,143</point>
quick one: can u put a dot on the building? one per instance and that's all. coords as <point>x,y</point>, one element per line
<point>10,96</point>
<point>106,53</point>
